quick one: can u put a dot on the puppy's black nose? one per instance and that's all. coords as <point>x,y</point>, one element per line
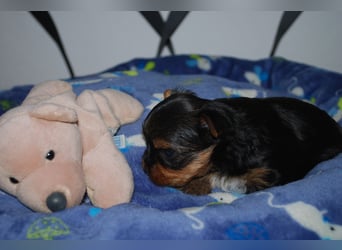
<point>56,201</point>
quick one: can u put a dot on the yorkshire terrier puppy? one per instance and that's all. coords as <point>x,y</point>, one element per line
<point>239,144</point>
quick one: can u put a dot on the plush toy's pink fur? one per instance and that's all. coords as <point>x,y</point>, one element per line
<point>79,131</point>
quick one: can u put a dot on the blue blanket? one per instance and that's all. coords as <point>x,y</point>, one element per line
<point>306,209</point>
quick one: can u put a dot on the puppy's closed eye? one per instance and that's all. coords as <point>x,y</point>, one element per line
<point>166,156</point>
<point>167,153</point>
<point>170,158</point>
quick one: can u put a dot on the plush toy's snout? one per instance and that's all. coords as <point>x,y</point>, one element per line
<point>50,191</point>
<point>52,188</point>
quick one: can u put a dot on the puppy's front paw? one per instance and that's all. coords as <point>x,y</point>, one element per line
<point>198,186</point>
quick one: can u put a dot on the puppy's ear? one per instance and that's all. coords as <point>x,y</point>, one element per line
<point>207,123</point>
<point>216,117</point>
<point>169,92</point>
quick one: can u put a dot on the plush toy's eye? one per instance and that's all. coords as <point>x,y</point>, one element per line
<point>50,155</point>
<point>13,180</point>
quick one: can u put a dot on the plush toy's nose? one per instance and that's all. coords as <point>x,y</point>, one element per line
<point>56,201</point>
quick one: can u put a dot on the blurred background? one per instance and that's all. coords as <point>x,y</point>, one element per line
<point>96,41</point>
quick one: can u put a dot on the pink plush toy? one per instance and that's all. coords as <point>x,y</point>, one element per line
<point>55,147</point>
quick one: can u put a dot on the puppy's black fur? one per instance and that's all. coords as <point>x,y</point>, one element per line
<point>191,142</point>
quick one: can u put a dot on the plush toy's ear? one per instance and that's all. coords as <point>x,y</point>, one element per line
<point>46,90</point>
<point>54,112</point>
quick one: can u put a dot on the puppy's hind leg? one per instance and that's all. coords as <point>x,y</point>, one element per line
<point>260,178</point>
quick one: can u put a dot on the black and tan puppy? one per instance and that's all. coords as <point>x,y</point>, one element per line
<point>239,144</point>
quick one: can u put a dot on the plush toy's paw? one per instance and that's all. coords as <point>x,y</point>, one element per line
<point>108,176</point>
<point>126,108</point>
<point>98,106</point>
<point>113,107</point>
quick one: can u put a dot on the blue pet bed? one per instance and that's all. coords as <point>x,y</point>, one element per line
<point>305,209</point>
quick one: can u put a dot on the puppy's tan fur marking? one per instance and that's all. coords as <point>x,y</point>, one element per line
<point>167,93</point>
<point>197,168</point>
<point>161,144</point>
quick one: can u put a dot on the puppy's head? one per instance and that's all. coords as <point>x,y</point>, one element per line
<point>179,140</point>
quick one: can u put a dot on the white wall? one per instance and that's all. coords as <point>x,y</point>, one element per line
<point>96,41</point>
